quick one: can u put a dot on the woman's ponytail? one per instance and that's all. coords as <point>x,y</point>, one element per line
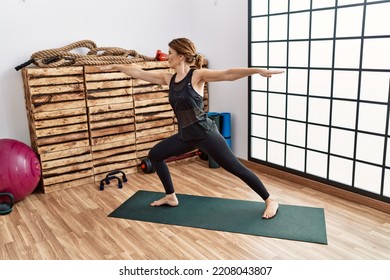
<point>198,61</point>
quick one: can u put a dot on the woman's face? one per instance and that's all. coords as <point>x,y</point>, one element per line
<point>174,58</point>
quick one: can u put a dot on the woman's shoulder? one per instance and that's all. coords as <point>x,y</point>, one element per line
<point>168,76</point>
<point>199,74</point>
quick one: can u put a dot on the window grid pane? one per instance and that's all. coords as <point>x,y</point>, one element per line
<point>327,117</point>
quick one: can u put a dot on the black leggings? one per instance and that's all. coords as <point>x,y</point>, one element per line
<point>215,146</point>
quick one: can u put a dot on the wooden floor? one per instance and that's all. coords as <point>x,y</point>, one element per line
<point>73,224</point>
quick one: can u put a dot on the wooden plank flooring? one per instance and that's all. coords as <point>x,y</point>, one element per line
<point>73,224</point>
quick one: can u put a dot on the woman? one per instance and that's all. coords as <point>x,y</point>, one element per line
<point>195,129</point>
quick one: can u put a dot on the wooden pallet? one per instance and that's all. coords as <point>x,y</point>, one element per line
<point>154,117</point>
<point>59,136</point>
<point>85,122</point>
<point>111,121</point>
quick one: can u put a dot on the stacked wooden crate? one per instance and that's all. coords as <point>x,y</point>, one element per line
<point>154,117</point>
<point>111,121</point>
<point>55,101</point>
<point>85,122</point>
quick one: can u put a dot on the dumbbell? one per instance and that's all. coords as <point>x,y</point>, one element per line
<point>202,155</point>
<point>147,166</point>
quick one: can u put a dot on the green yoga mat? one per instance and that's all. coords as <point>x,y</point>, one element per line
<point>238,216</point>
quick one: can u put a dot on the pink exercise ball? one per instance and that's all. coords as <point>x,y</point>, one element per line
<point>20,169</point>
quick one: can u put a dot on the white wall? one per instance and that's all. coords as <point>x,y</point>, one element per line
<point>218,27</point>
<point>220,30</point>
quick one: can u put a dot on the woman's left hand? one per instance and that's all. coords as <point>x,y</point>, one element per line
<point>268,73</point>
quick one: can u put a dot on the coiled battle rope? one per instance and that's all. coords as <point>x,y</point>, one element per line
<point>96,56</point>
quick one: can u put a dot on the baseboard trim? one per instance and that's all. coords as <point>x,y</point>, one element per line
<point>325,188</point>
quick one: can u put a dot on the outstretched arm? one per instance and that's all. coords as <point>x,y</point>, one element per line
<point>233,74</point>
<point>155,77</point>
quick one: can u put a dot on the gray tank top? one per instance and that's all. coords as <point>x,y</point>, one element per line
<point>189,109</point>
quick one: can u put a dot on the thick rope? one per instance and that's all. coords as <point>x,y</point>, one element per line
<point>96,56</point>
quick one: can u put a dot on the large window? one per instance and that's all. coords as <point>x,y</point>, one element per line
<point>327,116</point>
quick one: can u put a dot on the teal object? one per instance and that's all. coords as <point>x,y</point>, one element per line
<point>226,131</point>
<point>229,142</point>
<point>225,119</point>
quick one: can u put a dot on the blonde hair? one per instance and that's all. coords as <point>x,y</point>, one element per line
<point>187,48</point>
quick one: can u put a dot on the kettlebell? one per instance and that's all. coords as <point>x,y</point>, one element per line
<point>6,207</point>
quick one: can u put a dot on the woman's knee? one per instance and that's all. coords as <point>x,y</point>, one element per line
<point>154,154</point>
<point>235,167</point>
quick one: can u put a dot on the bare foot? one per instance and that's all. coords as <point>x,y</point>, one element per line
<point>169,199</point>
<point>271,208</point>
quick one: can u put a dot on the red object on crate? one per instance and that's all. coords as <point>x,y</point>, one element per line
<point>160,56</point>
